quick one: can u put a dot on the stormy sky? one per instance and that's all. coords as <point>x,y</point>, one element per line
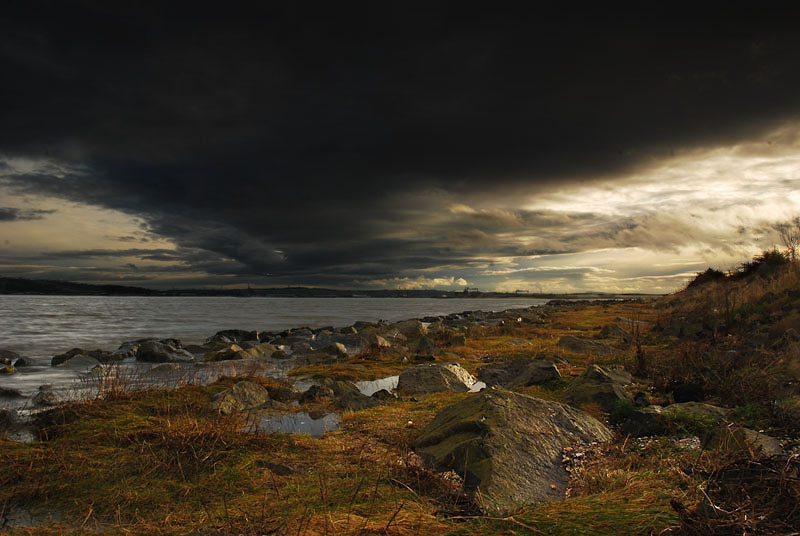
<point>394,145</point>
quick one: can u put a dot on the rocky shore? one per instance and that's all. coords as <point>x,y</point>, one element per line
<point>411,426</point>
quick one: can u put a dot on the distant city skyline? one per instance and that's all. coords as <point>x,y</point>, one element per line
<point>170,145</point>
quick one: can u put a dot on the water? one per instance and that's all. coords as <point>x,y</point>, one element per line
<point>40,327</point>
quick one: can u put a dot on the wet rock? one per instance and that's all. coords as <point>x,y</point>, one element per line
<point>241,397</point>
<point>738,440</point>
<point>7,369</point>
<point>434,378</point>
<point>577,345</point>
<point>423,358</point>
<point>22,362</point>
<point>518,372</point>
<point>348,330</point>
<point>601,386</point>
<point>60,358</point>
<point>163,352</point>
<point>361,325</point>
<point>233,336</point>
<point>8,392</point>
<point>81,361</point>
<point>280,354</point>
<point>508,446</point>
<point>7,357</point>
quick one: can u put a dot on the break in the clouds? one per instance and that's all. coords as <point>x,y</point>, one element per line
<point>410,146</point>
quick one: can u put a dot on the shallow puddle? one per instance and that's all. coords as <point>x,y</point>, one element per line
<point>370,387</point>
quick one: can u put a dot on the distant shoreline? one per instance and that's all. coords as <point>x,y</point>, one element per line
<point>33,287</point>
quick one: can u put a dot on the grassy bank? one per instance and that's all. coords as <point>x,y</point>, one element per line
<point>162,462</point>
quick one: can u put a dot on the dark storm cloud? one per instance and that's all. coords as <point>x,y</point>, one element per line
<point>318,144</point>
<point>16,214</point>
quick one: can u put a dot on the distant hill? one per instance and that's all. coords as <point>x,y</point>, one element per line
<point>9,285</point>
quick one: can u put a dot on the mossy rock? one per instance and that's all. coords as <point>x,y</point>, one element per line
<point>507,446</point>
<point>601,386</point>
<point>738,440</point>
<point>241,397</point>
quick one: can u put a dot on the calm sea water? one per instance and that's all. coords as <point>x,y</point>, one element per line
<point>42,326</point>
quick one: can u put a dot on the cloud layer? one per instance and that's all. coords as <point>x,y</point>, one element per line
<point>408,147</point>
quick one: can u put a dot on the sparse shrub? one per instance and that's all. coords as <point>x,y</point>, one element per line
<point>707,277</point>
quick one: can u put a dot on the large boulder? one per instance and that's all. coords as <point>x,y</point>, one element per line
<point>599,385</point>
<point>693,418</point>
<point>242,396</point>
<point>433,378</point>
<point>518,372</point>
<point>162,352</point>
<point>577,345</point>
<point>508,447</point>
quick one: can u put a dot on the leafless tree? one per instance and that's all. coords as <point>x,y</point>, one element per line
<point>790,236</point>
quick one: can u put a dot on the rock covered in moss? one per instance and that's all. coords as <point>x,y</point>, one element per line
<point>599,385</point>
<point>739,440</point>
<point>434,378</point>
<point>242,396</point>
<point>507,446</point>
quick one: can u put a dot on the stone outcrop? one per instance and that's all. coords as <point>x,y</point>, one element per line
<point>599,385</point>
<point>434,378</point>
<point>518,372</point>
<point>508,447</point>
